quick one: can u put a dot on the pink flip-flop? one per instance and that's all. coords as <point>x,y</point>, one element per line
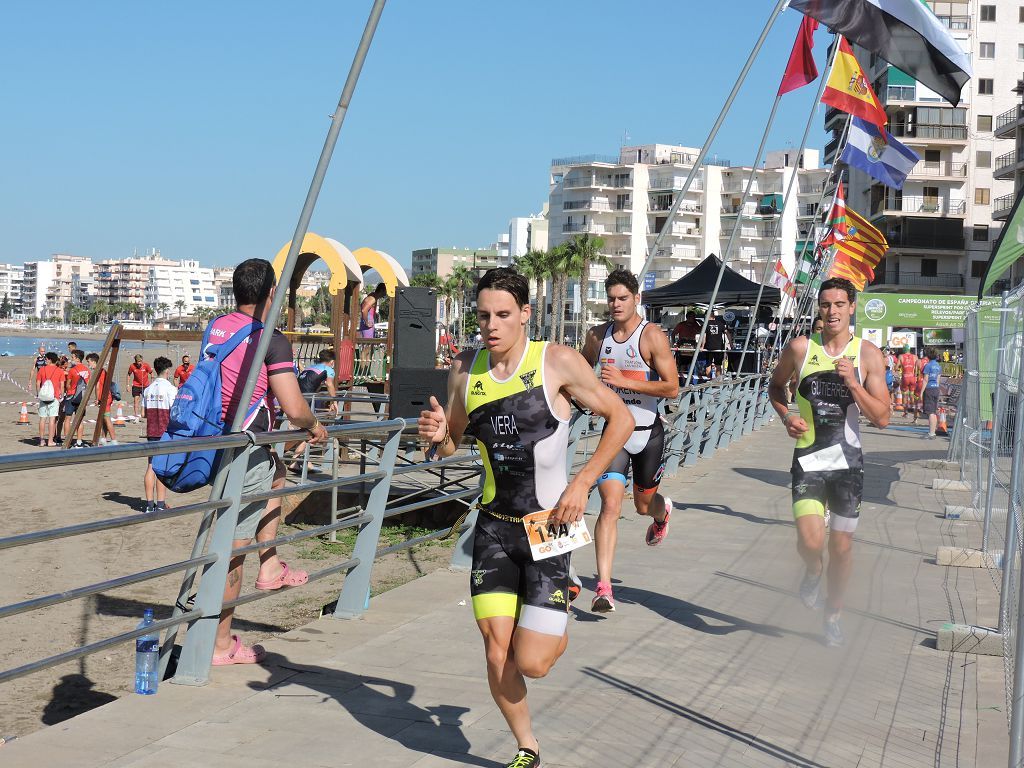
<point>287,578</point>
<point>240,654</point>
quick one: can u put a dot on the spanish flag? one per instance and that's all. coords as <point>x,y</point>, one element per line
<point>848,88</point>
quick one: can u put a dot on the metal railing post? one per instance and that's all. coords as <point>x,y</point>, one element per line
<point>680,429</point>
<point>200,636</point>
<point>714,429</point>
<point>997,406</point>
<point>462,557</point>
<point>1014,497</point>
<point>698,432</point>
<point>355,591</point>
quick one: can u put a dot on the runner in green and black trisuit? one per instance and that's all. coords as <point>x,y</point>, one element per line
<point>839,377</point>
<point>513,397</point>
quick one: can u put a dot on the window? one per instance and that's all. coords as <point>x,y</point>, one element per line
<point>986,50</point>
<point>978,268</point>
<point>985,86</point>
<point>981,196</point>
<point>988,13</point>
<point>929,267</point>
<point>1020,52</point>
<point>983,159</point>
<point>1020,15</point>
<point>984,122</point>
<point>981,234</point>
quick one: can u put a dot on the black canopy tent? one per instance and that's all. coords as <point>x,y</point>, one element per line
<point>697,286</point>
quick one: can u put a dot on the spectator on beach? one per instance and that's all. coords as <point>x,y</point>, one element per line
<point>254,284</point>
<point>156,404</point>
<point>40,363</point>
<point>76,382</point>
<point>49,397</point>
<point>182,372</point>
<point>104,403</point>
<point>64,365</point>
<point>368,311</point>
<point>138,379</point>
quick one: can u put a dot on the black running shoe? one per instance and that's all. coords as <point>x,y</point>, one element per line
<point>525,758</point>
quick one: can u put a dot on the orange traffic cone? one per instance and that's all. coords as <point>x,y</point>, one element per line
<point>942,420</point>
<point>119,420</point>
<point>899,401</point>
<point>23,416</point>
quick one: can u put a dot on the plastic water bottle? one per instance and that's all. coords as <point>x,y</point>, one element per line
<point>147,657</point>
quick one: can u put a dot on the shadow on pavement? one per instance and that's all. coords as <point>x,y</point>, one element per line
<point>695,616</point>
<point>846,609</point>
<point>389,712</point>
<point>134,502</point>
<point>776,477</point>
<point>72,696</point>
<point>705,721</point>
<point>721,509</point>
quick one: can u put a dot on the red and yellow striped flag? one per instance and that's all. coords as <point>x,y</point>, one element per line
<point>859,252</point>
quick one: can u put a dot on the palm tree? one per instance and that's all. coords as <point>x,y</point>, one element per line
<point>448,290</point>
<point>163,308</point>
<point>561,270</point>
<point>535,265</point>
<point>425,280</point>
<point>462,278</point>
<point>180,306</point>
<point>586,251</point>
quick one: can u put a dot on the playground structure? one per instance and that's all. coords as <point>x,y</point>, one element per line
<point>358,361</point>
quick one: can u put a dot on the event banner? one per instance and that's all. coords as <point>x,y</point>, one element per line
<point>914,310</point>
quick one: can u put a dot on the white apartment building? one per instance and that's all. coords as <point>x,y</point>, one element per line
<point>125,281</point>
<point>528,233</point>
<point>12,279</point>
<point>625,201</point>
<point>179,288</point>
<point>51,286</point>
<point>940,226</point>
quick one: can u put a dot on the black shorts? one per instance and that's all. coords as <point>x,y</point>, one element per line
<point>715,356</point>
<point>931,401</point>
<point>644,452</point>
<point>840,490</point>
<point>137,391</point>
<point>507,581</point>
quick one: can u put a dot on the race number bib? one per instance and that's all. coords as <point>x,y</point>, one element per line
<point>548,538</point>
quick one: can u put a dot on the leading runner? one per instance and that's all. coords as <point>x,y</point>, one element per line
<point>513,397</point>
<point>636,363</point>
<point>839,378</point>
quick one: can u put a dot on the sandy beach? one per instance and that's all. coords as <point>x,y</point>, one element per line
<point>50,498</point>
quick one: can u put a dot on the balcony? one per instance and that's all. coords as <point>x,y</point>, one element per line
<point>939,170</point>
<point>1008,122</point>
<point>678,252</point>
<point>659,184</point>
<point>759,188</point>
<point>589,227</point>
<point>586,205</point>
<point>934,206</point>
<point>897,277</point>
<point>956,23</point>
<point>749,232</point>
<point>808,188</point>
<point>951,133</point>
<point>807,211</point>
<point>659,206</point>
<point>1001,207</point>
<point>584,160</point>
<point>1007,165</point>
<point>931,240</point>
<point>900,93</point>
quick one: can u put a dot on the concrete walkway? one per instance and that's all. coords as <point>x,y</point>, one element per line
<point>710,659</point>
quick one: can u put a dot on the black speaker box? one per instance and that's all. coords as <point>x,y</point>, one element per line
<point>411,389</point>
<point>415,328</point>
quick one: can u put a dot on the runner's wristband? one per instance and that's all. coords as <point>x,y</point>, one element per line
<point>316,423</point>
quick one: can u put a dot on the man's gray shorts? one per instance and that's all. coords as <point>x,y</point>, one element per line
<point>259,476</point>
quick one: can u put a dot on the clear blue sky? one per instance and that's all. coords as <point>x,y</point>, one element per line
<point>195,127</point>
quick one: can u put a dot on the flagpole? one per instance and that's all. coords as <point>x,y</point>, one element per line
<point>802,303</point>
<point>780,5</point>
<point>735,232</point>
<point>776,234</point>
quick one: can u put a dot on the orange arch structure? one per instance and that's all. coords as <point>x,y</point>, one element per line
<point>392,273</point>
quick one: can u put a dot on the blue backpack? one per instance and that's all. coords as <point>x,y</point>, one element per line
<point>196,412</point>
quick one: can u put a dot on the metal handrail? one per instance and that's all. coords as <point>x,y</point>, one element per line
<point>368,521</point>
